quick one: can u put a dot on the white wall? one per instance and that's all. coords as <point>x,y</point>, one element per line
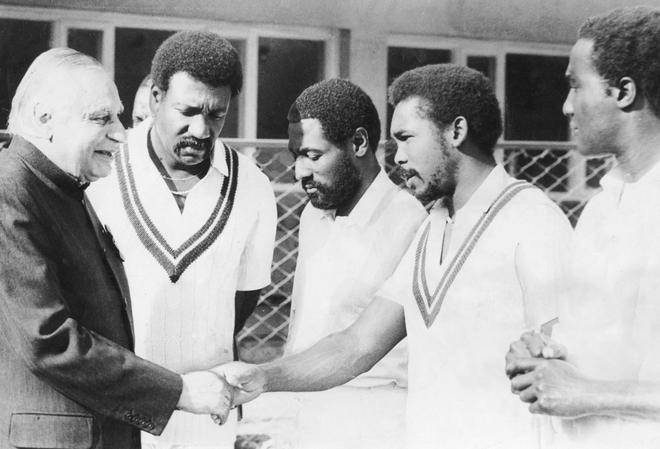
<point>553,21</point>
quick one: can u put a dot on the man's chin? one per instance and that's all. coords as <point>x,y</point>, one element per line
<point>321,203</point>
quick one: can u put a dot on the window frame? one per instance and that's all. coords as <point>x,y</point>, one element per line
<point>64,19</point>
<point>461,48</point>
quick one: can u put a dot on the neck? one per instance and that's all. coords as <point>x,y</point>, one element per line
<point>58,158</point>
<point>641,150</point>
<point>471,174</point>
<point>369,173</point>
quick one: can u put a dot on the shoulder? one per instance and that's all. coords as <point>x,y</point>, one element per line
<point>247,168</point>
<point>535,212</point>
<point>254,190</point>
<point>17,182</point>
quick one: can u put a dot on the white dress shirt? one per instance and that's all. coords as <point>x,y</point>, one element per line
<point>343,261</point>
<point>611,323</point>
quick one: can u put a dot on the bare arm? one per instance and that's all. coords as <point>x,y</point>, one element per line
<point>332,361</point>
<point>342,356</point>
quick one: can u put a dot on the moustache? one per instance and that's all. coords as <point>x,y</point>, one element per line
<point>308,183</point>
<point>193,142</point>
<point>405,174</point>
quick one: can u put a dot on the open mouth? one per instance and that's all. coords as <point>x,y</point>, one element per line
<point>310,188</point>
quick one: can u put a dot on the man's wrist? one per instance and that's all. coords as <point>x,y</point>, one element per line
<point>268,373</point>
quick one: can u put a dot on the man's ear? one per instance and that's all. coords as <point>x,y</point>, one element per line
<point>458,131</point>
<point>43,120</point>
<point>156,96</point>
<point>360,142</point>
<point>626,92</point>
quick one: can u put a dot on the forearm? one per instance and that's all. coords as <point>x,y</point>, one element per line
<point>624,399</point>
<point>333,361</point>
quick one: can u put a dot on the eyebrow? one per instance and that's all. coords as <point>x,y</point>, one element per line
<point>184,105</point>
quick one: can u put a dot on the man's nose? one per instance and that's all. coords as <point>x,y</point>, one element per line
<point>199,127</point>
<point>567,107</point>
<point>400,157</point>
<point>117,132</point>
<point>301,170</point>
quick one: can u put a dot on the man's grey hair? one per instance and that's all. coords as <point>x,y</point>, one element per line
<point>43,81</point>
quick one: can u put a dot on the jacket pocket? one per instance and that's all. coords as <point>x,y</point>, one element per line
<point>51,430</point>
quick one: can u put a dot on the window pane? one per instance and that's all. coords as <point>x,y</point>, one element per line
<point>286,68</point>
<point>401,59</point>
<point>483,64</point>
<point>535,92</point>
<point>20,42</point>
<point>134,50</point>
<point>89,42</point>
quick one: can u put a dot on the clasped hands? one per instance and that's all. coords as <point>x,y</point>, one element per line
<point>541,377</point>
<point>216,391</point>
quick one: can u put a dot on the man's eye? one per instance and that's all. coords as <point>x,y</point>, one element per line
<point>101,120</point>
<point>218,115</point>
<point>313,156</point>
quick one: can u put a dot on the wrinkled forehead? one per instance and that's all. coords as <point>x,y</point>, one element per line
<point>88,90</point>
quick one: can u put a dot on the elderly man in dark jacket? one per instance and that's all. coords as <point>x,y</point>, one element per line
<point>69,376</point>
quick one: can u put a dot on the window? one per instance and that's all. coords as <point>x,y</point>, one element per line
<point>20,42</point>
<point>535,92</point>
<point>278,61</point>
<point>286,68</point>
<point>484,64</point>
<point>85,41</point>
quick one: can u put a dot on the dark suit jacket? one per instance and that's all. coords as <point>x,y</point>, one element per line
<point>68,376</point>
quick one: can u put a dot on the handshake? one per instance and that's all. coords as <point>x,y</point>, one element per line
<point>216,391</point>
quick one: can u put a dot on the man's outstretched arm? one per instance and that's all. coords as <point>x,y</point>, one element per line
<point>332,361</point>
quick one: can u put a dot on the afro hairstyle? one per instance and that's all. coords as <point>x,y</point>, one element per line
<point>449,91</point>
<point>626,43</point>
<point>341,107</point>
<point>203,55</point>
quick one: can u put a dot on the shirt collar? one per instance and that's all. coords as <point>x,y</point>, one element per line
<point>490,188</point>
<point>613,180</point>
<point>367,205</point>
<point>40,162</point>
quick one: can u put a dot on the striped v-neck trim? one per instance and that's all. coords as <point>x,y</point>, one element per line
<point>430,304</point>
<point>175,260</point>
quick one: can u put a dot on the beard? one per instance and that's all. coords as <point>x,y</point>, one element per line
<point>441,184</point>
<point>344,184</point>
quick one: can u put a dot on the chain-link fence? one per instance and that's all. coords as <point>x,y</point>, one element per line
<point>566,176</point>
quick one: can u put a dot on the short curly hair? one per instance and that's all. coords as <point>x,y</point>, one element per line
<point>449,91</point>
<point>341,107</point>
<point>626,42</point>
<point>203,55</point>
